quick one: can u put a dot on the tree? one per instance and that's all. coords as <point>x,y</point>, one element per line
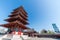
<point>43,31</point>
<point>50,32</point>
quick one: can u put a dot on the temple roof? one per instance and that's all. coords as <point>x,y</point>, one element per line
<point>14,24</point>
<point>17,19</point>
<point>21,9</point>
<point>18,14</point>
<point>11,19</point>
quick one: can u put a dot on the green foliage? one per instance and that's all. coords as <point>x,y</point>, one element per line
<point>51,32</point>
<point>47,32</point>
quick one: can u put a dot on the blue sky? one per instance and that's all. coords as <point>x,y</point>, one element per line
<point>42,13</point>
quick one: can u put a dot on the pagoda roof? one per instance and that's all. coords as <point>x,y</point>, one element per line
<point>16,18</point>
<point>14,12</point>
<point>18,14</point>
<point>14,24</point>
<point>21,9</point>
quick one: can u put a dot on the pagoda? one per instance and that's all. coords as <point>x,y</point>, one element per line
<point>17,20</point>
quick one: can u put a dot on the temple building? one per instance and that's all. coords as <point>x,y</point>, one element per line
<point>17,20</point>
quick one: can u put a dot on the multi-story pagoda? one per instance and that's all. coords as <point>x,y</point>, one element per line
<point>17,21</point>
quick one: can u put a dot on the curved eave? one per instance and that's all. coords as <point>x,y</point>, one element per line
<point>12,15</point>
<point>14,24</point>
<point>16,12</point>
<point>21,9</point>
<point>16,18</point>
